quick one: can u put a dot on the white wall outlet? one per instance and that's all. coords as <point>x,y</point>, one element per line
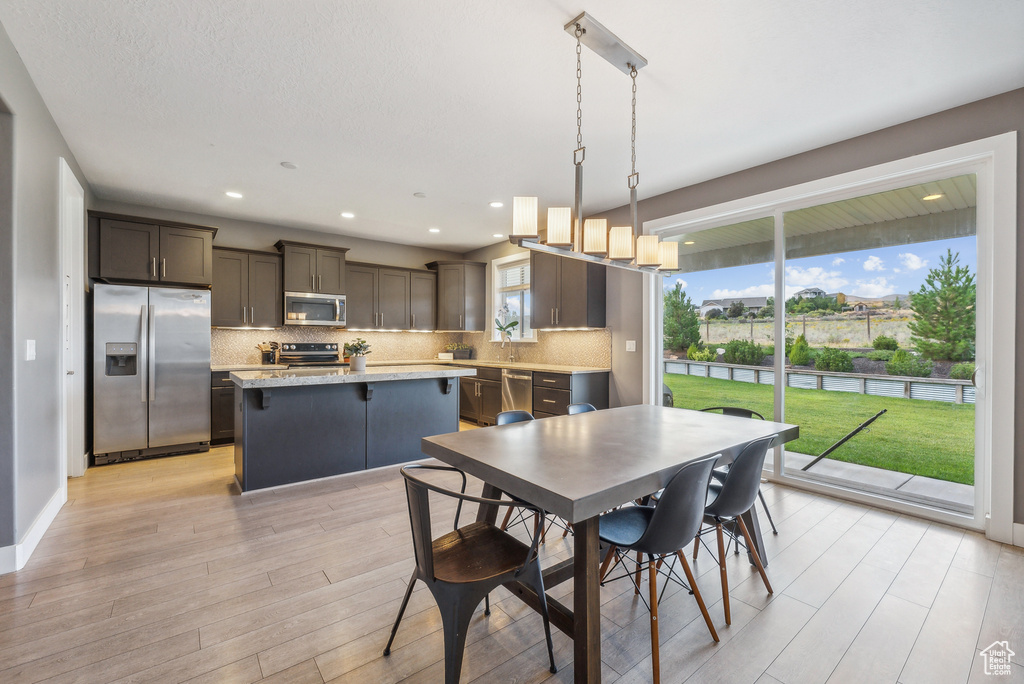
<point>30,350</point>
<point>631,345</point>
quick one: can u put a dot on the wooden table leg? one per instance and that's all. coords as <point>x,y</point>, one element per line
<point>489,513</point>
<point>587,603</point>
<point>750,518</point>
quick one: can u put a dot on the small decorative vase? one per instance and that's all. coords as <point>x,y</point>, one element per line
<point>357,363</point>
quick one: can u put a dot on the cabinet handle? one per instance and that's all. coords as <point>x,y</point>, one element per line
<point>548,401</point>
<point>312,283</point>
<point>552,317</point>
<point>252,315</point>
<point>460,321</point>
<point>163,268</point>
<point>382,319</point>
<point>319,283</point>
<point>556,316</point>
<point>547,380</point>
<point>243,315</point>
<point>153,270</point>
<point>414,320</point>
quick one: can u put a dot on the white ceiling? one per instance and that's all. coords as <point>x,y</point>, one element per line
<point>172,103</point>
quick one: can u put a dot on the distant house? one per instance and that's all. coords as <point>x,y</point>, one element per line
<point>752,304</point>
<point>811,293</point>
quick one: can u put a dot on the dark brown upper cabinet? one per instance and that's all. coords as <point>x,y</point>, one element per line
<point>380,297</point>
<point>566,293</point>
<point>246,289</point>
<point>422,300</point>
<point>126,248</point>
<point>461,294</point>
<point>313,268</point>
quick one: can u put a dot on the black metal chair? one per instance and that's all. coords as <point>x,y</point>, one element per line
<point>720,473</point>
<point>729,500</point>
<point>660,532</point>
<point>582,407</point>
<point>462,567</point>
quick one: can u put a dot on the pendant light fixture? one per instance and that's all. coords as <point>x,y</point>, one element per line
<point>568,233</point>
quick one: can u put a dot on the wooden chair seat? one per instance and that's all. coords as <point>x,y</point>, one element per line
<point>476,552</point>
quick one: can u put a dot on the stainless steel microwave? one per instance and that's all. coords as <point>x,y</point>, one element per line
<point>304,308</point>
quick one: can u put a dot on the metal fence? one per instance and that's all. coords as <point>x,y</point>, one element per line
<point>931,389</point>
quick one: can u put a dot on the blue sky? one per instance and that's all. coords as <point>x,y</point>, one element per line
<point>865,273</point>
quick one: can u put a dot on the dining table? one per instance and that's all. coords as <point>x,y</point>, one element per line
<point>579,466</point>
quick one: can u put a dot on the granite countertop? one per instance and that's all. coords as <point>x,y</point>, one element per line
<point>472,363</point>
<point>221,367</point>
<point>331,376</point>
<point>528,366</point>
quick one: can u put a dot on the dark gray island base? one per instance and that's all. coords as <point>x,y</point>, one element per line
<point>298,425</point>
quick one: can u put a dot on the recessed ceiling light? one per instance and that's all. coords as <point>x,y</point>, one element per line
<point>434,230</point>
<point>498,235</point>
<point>347,214</point>
<point>232,193</point>
<point>289,165</point>
<point>688,242</point>
<point>932,197</point>
<point>497,205</point>
<point>419,195</point>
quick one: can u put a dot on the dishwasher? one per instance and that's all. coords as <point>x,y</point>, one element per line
<point>516,390</point>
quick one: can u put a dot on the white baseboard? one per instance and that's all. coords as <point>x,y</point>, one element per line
<point>13,558</point>
<point>1018,534</point>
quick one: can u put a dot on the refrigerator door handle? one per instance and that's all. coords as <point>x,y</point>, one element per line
<point>150,353</point>
<point>143,349</point>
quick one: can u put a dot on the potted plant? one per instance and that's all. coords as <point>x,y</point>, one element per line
<point>459,350</point>
<point>356,353</point>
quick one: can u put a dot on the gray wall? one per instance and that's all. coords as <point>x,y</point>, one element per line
<point>6,330</point>
<point>30,463</point>
<point>974,121</point>
<point>263,236</point>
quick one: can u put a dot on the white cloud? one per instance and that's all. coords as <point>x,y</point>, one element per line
<point>876,287</point>
<point>681,282</point>
<point>838,260</point>
<point>897,270</point>
<point>912,262</point>
<point>873,263</point>
<point>766,290</point>
<point>798,278</point>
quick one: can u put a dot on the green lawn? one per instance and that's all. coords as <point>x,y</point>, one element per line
<point>929,438</point>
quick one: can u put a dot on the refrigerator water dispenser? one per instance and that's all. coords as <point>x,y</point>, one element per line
<point>122,358</point>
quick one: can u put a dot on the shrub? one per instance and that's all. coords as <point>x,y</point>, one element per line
<point>743,352</point>
<point>884,342</point>
<point>834,360</point>
<point>703,355</point>
<point>880,355</point>
<point>692,350</point>
<point>961,371</point>
<point>713,313</point>
<point>769,350</point>
<point>800,353</point>
<point>905,363</point>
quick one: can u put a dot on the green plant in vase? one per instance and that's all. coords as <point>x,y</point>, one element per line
<point>356,352</point>
<point>505,330</point>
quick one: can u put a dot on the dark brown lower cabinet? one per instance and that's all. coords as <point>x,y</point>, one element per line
<point>222,408</point>
<point>480,397</point>
<point>553,392</point>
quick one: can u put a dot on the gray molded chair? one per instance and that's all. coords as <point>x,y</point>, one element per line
<point>728,501</point>
<point>660,532</point>
<point>582,407</point>
<point>720,473</point>
<point>508,417</point>
<point>463,566</point>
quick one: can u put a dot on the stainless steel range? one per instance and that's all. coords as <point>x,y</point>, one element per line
<point>310,354</point>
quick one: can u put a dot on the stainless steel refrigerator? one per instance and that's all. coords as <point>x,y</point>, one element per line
<point>151,371</point>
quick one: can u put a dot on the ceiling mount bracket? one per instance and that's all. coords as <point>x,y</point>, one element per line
<point>605,43</point>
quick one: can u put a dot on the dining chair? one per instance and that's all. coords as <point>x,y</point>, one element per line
<point>660,532</point>
<point>728,501</point>
<point>508,418</point>
<point>582,407</point>
<point>720,472</point>
<point>462,567</point>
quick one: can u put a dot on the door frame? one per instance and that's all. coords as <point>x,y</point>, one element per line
<point>994,161</point>
<point>71,213</point>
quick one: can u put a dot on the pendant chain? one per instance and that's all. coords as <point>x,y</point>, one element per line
<point>579,86</point>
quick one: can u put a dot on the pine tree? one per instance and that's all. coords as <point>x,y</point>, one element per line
<point>681,322</point>
<point>944,315</point>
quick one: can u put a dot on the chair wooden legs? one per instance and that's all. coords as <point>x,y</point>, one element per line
<point>753,554</point>
<point>508,516</point>
<point>607,562</point>
<point>696,545</point>
<point>696,595</point>
<point>401,612</point>
<point>725,576</point>
<point>652,575</point>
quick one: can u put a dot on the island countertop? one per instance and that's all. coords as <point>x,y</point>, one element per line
<point>295,377</point>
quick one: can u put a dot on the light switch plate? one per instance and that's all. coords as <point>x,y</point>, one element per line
<point>631,345</point>
<point>30,350</point>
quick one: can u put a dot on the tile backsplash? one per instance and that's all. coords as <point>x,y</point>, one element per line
<point>563,347</point>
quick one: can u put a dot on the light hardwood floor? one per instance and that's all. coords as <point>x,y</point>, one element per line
<point>154,571</point>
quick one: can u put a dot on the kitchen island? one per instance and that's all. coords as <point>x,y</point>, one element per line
<point>303,424</point>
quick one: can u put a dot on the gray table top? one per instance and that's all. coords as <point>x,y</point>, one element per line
<point>579,466</point>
